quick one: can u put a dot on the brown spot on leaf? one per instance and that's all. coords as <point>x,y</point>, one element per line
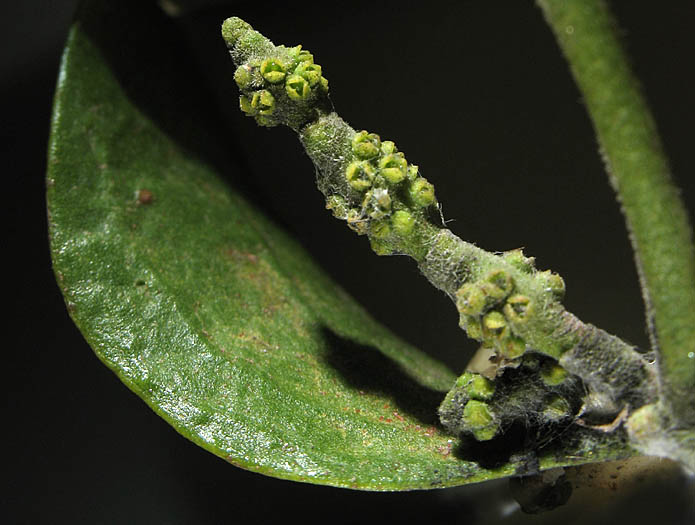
<point>145,197</point>
<point>241,256</point>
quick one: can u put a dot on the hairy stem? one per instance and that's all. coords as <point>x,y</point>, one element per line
<point>503,300</point>
<point>661,235</point>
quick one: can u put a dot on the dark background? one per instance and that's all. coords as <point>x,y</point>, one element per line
<point>80,448</point>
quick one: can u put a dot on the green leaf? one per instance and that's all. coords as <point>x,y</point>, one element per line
<point>209,312</point>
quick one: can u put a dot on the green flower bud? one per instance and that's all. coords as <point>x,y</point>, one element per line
<point>338,206</point>
<point>378,234</point>
<point>245,105</point>
<point>388,147</point>
<point>470,299</point>
<point>480,420</point>
<point>323,84</point>
<point>464,379</point>
<point>495,324</point>
<point>366,145</point>
<point>301,55</point>
<point>393,167</point>
<point>476,386</point>
<point>502,284</point>
<point>553,283</point>
<point>486,433</point>
<point>477,414</point>
<point>297,88</point>
<point>243,76</point>
<point>305,56</point>
<point>481,388</point>
<point>403,222</point>
<point>517,259</point>
<point>263,102</point>
<point>377,203</point>
<point>472,326</point>
<point>273,70</point>
<point>421,192</point>
<point>412,172</point>
<point>360,175</point>
<point>553,374</point>
<point>519,308</point>
<point>310,72</point>
<point>379,229</point>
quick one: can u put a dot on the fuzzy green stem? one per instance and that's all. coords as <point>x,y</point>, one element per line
<point>528,310</point>
<point>503,300</point>
<point>638,170</point>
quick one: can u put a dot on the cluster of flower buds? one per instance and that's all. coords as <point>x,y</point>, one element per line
<point>489,307</point>
<point>493,312</point>
<point>279,85</point>
<point>537,392</point>
<point>377,192</point>
<point>390,193</point>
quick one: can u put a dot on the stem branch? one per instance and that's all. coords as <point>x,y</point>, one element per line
<point>638,171</point>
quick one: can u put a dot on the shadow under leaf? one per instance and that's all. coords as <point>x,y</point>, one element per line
<point>365,368</point>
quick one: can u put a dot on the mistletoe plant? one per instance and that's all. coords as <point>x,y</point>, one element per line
<point>570,368</point>
<point>252,362</point>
